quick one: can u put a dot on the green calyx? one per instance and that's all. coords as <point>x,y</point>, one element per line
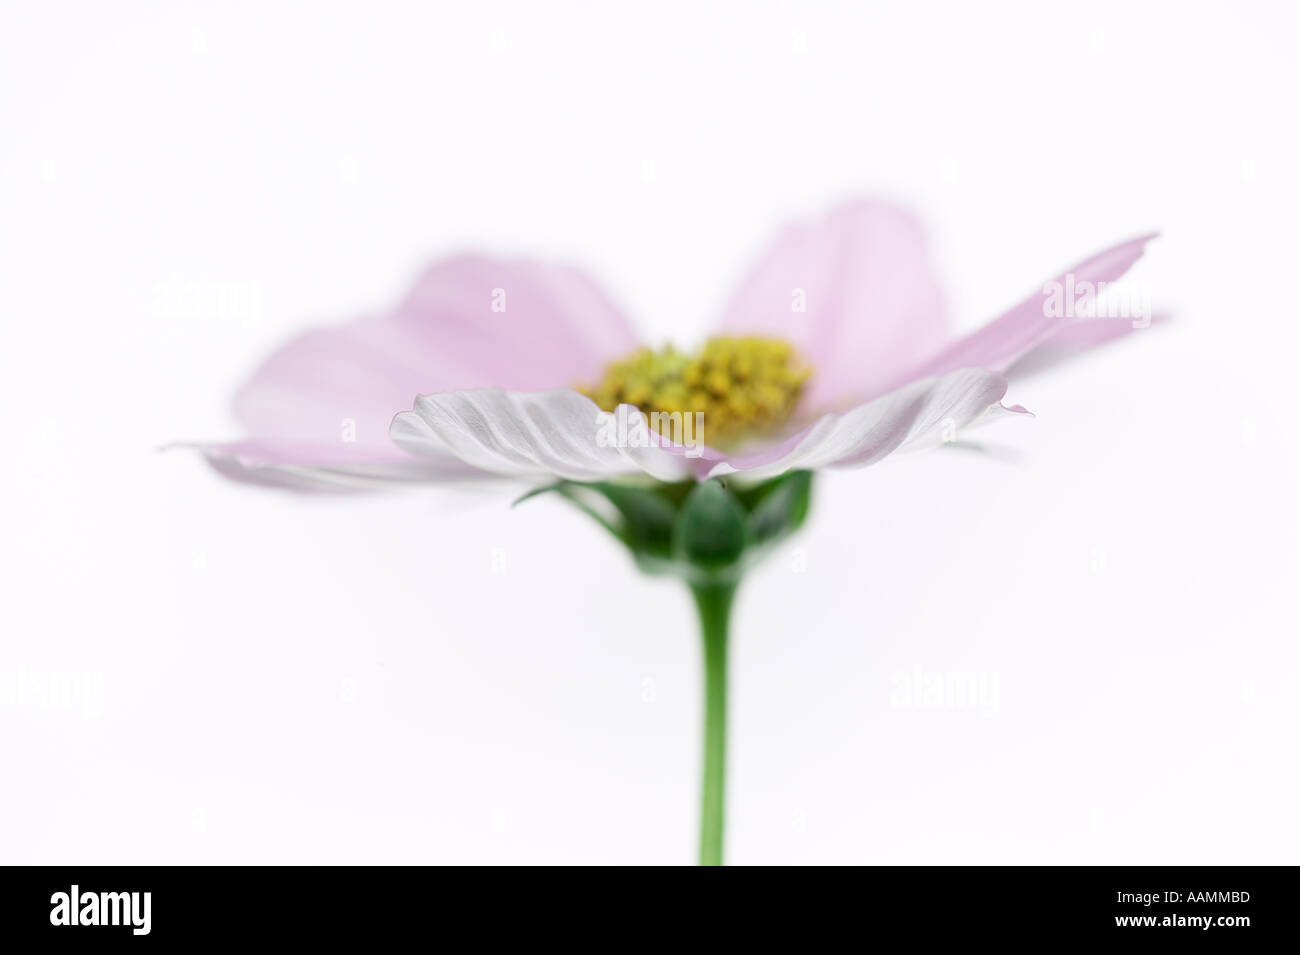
<point>705,532</point>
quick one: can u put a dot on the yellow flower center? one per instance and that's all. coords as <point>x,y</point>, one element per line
<point>742,386</point>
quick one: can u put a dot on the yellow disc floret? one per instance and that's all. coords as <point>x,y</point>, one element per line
<point>742,386</point>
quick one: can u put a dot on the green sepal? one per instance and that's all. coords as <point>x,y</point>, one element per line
<point>706,532</point>
<point>711,532</point>
<point>777,508</point>
<point>639,514</point>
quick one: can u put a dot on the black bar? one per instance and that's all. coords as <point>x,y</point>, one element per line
<point>1230,906</point>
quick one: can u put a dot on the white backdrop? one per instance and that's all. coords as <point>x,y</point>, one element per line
<point>193,671</point>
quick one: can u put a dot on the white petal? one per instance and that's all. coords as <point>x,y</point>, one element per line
<point>922,413</point>
<point>529,434</point>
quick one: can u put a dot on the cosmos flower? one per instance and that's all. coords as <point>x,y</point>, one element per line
<point>506,358</point>
<point>835,352</point>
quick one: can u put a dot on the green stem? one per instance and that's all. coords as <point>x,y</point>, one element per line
<point>714,604</point>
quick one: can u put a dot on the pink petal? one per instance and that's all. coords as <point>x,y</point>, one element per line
<point>557,327</point>
<point>873,303</point>
<point>305,466</point>
<point>468,322</point>
<point>1074,338</point>
<point>921,413</point>
<point>1004,340</point>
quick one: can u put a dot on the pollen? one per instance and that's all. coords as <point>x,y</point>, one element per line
<point>743,387</point>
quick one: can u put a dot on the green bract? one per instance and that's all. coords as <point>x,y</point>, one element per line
<point>706,533</point>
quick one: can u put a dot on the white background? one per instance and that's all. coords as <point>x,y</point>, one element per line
<point>194,671</point>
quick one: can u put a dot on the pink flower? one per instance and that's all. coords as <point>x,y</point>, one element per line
<point>835,352</point>
<point>473,374</point>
